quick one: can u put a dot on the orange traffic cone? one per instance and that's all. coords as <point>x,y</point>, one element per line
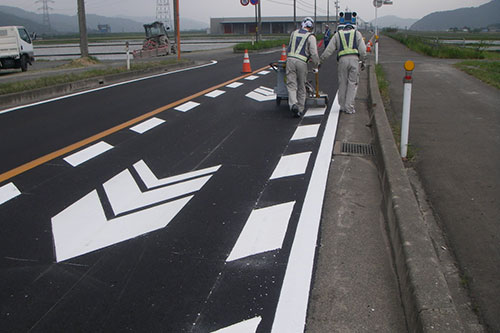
<point>283,53</point>
<point>246,63</point>
<point>369,46</point>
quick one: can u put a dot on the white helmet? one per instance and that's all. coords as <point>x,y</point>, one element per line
<point>308,22</point>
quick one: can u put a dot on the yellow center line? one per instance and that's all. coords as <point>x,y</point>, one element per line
<point>63,151</point>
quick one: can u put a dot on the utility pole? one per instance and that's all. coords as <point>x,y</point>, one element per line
<point>315,16</point>
<point>328,12</point>
<point>82,23</point>
<point>294,14</point>
<point>336,13</point>
<point>260,22</point>
<point>177,29</point>
<point>45,12</point>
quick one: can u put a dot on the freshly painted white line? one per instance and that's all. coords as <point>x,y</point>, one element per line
<point>7,192</point>
<point>125,195</point>
<point>314,112</point>
<point>187,106</point>
<point>213,62</point>
<point>88,153</point>
<point>147,125</point>
<point>267,89</point>
<point>264,72</point>
<point>306,132</point>
<point>215,93</point>
<point>82,227</point>
<point>151,181</point>
<point>251,77</point>
<point>235,85</point>
<point>291,165</point>
<point>259,97</point>
<point>265,92</point>
<point>246,326</point>
<point>264,231</point>
<point>292,305</point>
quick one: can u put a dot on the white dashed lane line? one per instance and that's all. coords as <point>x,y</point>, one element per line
<point>215,93</point>
<point>8,192</point>
<point>88,153</point>
<point>187,106</point>
<point>147,125</point>
<point>235,85</point>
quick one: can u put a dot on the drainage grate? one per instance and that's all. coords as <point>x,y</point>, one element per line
<point>353,149</point>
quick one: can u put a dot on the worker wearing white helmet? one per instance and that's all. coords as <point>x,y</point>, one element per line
<point>301,49</point>
<point>351,48</point>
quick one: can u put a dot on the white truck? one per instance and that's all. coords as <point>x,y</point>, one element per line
<point>16,48</point>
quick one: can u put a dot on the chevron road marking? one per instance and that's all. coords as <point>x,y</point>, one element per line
<point>306,132</point>
<point>7,192</point>
<point>291,165</point>
<point>83,227</point>
<point>246,326</point>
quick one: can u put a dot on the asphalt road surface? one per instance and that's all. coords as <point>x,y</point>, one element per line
<point>166,204</point>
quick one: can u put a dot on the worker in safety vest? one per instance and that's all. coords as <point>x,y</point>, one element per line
<point>351,49</point>
<point>301,49</point>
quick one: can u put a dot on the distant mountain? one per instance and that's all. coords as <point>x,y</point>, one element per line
<point>391,21</point>
<point>472,17</point>
<point>69,24</point>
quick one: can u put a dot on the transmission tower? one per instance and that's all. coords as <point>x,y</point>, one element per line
<point>45,12</point>
<point>163,12</point>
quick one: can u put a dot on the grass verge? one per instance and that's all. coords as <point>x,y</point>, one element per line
<point>486,71</point>
<point>43,82</point>
<point>265,44</point>
<point>394,118</point>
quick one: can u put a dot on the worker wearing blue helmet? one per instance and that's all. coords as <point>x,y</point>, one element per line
<point>351,50</point>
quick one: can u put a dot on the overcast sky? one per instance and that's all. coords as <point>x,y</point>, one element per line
<point>203,10</point>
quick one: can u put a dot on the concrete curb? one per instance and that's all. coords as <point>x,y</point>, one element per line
<point>36,95</point>
<point>424,292</point>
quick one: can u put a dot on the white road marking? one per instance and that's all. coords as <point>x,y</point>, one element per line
<point>246,326</point>
<point>88,153</point>
<point>213,62</point>
<point>82,227</point>
<point>259,97</point>
<point>314,112</point>
<point>7,192</point>
<point>264,231</point>
<point>265,92</point>
<point>187,106</point>
<point>292,305</point>
<point>151,181</point>
<point>306,132</point>
<point>235,85</point>
<point>271,91</point>
<point>125,195</point>
<point>215,93</point>
<point>251,77</point>
<point>264,72</point>
<point>147,125</point>
<point>291,165</point>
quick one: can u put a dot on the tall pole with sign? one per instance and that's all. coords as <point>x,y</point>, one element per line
<point>260,21</point>
<point>177,29</point>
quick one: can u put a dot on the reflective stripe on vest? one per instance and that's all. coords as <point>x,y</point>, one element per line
<point>299,51</point>
<point>345,48</point>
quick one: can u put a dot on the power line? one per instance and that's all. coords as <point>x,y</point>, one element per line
<point>163,12</point>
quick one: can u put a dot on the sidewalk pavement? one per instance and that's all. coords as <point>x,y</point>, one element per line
<point>455,130</point>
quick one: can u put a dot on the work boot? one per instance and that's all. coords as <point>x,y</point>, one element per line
<point>295,110</point>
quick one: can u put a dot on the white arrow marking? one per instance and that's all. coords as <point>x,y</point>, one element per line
<point>8,192</point>
<point>151,181</point>
<point>82,227</point>
<point>264,231</point>
<point>247,326</point>
<point>124,195</point>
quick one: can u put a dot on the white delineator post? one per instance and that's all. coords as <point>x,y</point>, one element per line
<point>128,55</point>
<point>405,123</point>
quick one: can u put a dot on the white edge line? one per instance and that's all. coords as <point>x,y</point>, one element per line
<point>213,62</point>
<point>292,305</point>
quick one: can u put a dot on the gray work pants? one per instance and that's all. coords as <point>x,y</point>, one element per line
<point>348,69</point>
<point>296,76</point>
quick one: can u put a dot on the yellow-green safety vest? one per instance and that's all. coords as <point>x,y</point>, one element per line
<point>345,48</point>
<point>297,48</point>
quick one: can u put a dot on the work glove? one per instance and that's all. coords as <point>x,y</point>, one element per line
<point>315,70</point>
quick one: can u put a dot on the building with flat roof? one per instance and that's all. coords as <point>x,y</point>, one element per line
<point>270,25</point>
